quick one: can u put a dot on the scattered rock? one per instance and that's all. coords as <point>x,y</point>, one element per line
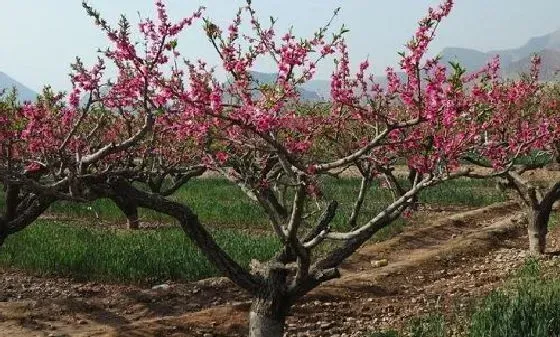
<point>161,287</point>
<point>379,263</point>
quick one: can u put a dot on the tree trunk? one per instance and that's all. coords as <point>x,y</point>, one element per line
<point>412,176</point>
<point>537,228</point>
<point>2,237</point>
<point>11,201</point>
<point>267,317</point>
<point>130,210</point>
<point>271,304</point>
<point>132,219</point>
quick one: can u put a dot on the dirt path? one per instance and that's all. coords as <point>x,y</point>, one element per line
<point>444,264</point>
<point>445,236</point>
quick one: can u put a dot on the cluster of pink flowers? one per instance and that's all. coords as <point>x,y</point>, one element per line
<point>425,114</point>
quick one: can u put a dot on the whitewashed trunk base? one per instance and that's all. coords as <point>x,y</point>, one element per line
<point>261,326</point>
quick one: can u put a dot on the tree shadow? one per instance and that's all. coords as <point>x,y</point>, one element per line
<point>93,312</point>
<point>553,254</point>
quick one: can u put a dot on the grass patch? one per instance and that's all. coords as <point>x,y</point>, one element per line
<point>463,192</point>
<point>554,220</point>
<point>427,326</point>
<point>156,255</point>
<point>527,306</point>
<point>460,192</point>
<point>218,202</point>
<point>51,247</point>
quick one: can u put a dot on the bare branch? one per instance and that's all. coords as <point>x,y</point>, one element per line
<point>191,226</point>
<point>114,148</point>
<point>354,156</point>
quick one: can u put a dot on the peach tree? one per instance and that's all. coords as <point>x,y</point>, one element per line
<point>109,133</point>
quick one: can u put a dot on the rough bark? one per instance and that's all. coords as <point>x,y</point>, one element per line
<point>539,215</point>
<point>34,207</point>
<point>413,175</point>
<point>263,326</point>
<point>120,188</point>
<point>270,307</point>
<point>132,220</point>
<point>129,209</point>
<point>537,229</point>
<point>11,201</point>
<point>539,205</point>
<point>3,230</point>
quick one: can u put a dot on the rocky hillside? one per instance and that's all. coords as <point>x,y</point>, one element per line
<point>516,60</point>
<point>23,92</point>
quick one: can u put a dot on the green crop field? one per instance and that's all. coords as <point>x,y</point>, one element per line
<point>75,244</point>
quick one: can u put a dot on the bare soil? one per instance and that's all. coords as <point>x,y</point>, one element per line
<point>444,264</point>
<point>444,261</point>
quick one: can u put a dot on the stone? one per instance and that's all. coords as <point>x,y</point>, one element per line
<point>379,263</point>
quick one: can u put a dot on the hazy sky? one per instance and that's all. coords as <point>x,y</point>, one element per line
<point>39,38</point>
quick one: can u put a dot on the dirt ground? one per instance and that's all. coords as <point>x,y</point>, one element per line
<point>443,262</point>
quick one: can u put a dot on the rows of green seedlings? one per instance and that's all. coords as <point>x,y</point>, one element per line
<point>527,306</point>
<point>82,249</point>
<point>219,203</point>
<point>85,252</point>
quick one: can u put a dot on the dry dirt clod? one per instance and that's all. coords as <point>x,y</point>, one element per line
<point>379,263</point>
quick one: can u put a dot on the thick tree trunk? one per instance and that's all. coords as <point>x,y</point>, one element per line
<point>267,317</point>
<point>412,176</point>
<point>116,187</point>
<point>271,304</point>
<point>262,326</point>
<point>537,228</point>
<point>26,213</point>
<point>3,236</point>
<point>132,219</point>
<point>11,201</point>
<point>130,210</point>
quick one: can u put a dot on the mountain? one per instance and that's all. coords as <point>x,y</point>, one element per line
<point>516,60</point>
<point>321,87</point>
<point>513,61</point>
<point>536,44</point>
<point>306,93</point>
<point>469,58</point>
<point>550,65</point>
<point>23,92</point>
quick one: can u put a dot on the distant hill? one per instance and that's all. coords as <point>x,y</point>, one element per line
<point>23,92</point>
<point>534,45</point>
<point>516,60</point>
<point>513,61</point>
<point>306,93</point>
<point>469,58</point>
<point>321,87</point>
<point>550,65</point>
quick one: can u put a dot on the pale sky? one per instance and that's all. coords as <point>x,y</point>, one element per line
<point>40,38</point>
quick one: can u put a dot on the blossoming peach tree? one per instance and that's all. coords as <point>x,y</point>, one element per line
<point>61,143</point>
<point>521,124</point>
<point>261,136</point>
